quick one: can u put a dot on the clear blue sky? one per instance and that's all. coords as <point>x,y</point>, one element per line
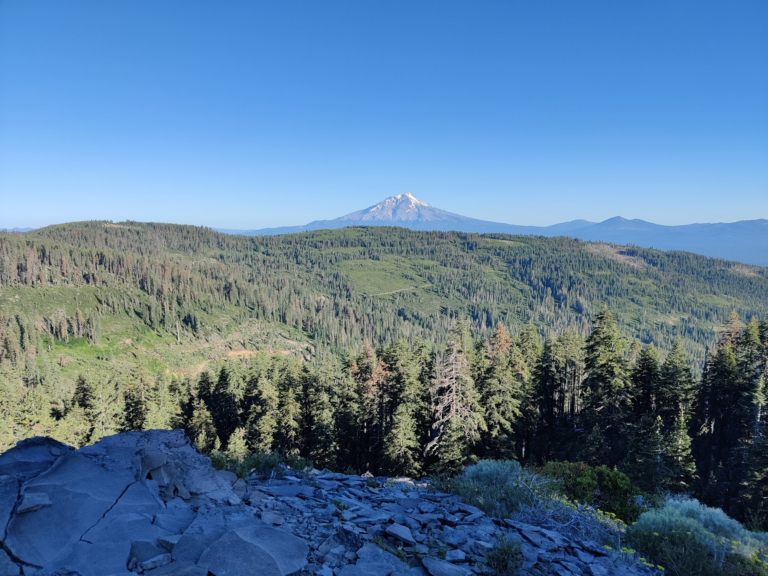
<point>246,114</point>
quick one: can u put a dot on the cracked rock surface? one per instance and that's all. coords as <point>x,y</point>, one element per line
<point>149,503</point>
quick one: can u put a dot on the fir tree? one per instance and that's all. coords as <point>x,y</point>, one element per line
<point>501,391</point>
<point>290,419</point>
<point>458,419</point>
<point>678,457</point>
<point>402,448</point>
<point>320,390</point>
<point>676,388</point>
<point>262,423</point>
<point>237,450</point>
<point>645,380</point>
<point>201,429</point>
<point>608,388</point>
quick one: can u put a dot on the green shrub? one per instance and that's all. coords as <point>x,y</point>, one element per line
<point>497,487</point>
<point>608,490</point>
<point>506,557</point>
<point>686,537</point>
<point>298,463</point>
<point>263,464</point>
<point>501,488</point>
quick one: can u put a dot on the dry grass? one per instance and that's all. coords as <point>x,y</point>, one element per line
<point>616,253</point>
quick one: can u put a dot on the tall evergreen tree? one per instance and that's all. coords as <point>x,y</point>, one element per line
<point>608,387</point>
<point>402,446</point>
<point>458,419</point>
<point>645,380</point>
<point>501,391</point>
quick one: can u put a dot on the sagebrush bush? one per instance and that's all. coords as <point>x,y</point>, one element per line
<point>506,556</point>
<point>689,538</point>
<point>503,489</point>
<point>498,487</point>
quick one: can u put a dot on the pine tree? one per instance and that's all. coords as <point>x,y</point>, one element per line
<point>320,385</point>
<point>201,429</point>
<point>678,457</point>
<point>676,388</point>
<point>237,450</point>
<point>223,404</point>
<point>262,423</point>
<point>164,411</point>
<point>402,447</point>
<point>371,374</point>
<point>138,398</point>
<point>644,463</point>
<point>105,410</point>
<point>645,380</point>
<point>289,426</point>
<point>608,389</point>
<point>500,390</point>
<point>458,419</point>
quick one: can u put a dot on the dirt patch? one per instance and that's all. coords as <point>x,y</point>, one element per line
<point>617,253</point>
<point>240,353</point>
<point>745,270</point>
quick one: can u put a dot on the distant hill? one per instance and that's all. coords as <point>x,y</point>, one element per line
<point>16,229</point>
<point>181,296</point>
<point>745,241</point>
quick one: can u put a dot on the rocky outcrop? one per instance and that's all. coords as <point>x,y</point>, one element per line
<point>149,503</point>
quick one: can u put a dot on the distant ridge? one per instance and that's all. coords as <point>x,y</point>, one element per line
<point>744,241</point>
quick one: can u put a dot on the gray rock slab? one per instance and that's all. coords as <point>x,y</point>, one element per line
<point>342,537</point>
<point>169,542</point>
<point>374,560</point>
<point>157,562</point>
<point>30,457</point>
<point>238,551</point>
<point>7,566</point>
<point>128,526</point>
<point>81,492</point>
<point>141,551</point>
<point>136,506</point>
<point>104,558</point>
<point>208,526</point>
<point>289,491</point>
<point>227,476</point>
<point>9,495</point>
<point>437,567</point>
<point>272,518</point>
<point>176,517</point>
<point>179,569</point>
<point>401,532</point>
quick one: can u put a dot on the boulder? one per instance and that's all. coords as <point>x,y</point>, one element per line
<point>373,561</point>
<point>437,567</point>
<point>238,551</point>
<point>401,533</point>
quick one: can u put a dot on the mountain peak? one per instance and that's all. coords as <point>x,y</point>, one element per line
<point>404,207</point>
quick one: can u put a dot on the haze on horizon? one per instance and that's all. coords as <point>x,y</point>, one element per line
<point>254,115</point>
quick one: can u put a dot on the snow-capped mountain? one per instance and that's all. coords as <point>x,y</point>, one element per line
<point>401,208</point>
<point>745,241</point>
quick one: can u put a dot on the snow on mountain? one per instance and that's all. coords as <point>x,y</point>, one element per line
<point>401,208</point>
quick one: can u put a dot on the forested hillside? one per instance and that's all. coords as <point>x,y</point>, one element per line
<point>341,288</point>
<point>393,351</point>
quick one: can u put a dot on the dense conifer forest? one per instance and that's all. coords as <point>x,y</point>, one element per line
<point>394,351</point>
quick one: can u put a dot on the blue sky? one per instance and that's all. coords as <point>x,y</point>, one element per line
<point>247,114</point>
